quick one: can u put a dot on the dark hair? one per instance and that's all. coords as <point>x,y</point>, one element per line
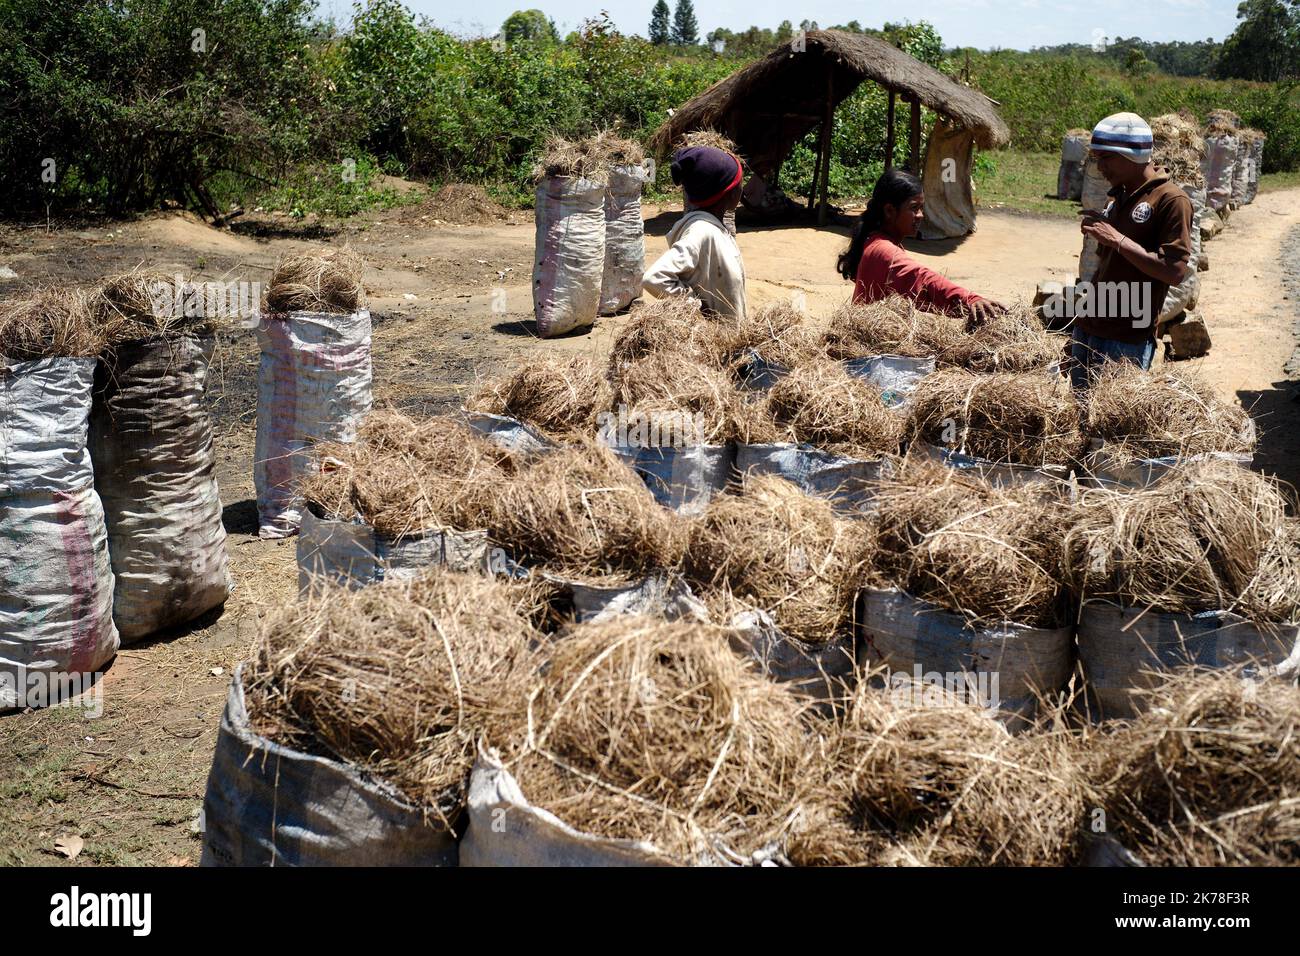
<point>894,187</point>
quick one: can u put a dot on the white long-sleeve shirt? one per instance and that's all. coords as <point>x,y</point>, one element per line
<point>703,260</point>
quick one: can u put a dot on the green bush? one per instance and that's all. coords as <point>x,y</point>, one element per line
<point>128,105</point>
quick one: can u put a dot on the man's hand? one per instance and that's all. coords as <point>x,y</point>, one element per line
<point>1105,234</point>
<point>981,311</point>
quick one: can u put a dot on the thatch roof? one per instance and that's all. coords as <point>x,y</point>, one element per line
<point>769,105</point>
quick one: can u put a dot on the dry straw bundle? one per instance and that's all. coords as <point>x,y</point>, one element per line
<point>403,476</point>
<point>915,780</point>
<point>317,282</point>
<point>584,513</point>
<point>672,326</point>
<point>1026,418</point>
<point>778,333</point>
<point>1251,135</point>
<point>784,551</point>
<point>144,305</point>
<point>52,323</point>
<point>465,204</point>
<point>820,403</point>
<point>400,678</point>
<point>592,157</point>
<point>705,137</point>
<point>1142,414</point>
<point>1014,341</point>
<point>891,326</point>
<point>655,731</point>
<point>1209,775</point>
<point>561,397</point>
<point>664,384</point>
<point>992,555</point>
<point>1222,122</point>
<point>1209,536</point>
<point>1179,148</point>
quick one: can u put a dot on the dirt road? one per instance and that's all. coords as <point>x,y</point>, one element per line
<point>452,303</point>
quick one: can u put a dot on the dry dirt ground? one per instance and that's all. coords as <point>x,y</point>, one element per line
<point>452,303</point>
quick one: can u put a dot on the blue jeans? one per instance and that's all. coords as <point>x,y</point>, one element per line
<point>1090,351</point>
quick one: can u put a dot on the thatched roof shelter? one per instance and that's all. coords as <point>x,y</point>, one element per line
<point>768,106</point>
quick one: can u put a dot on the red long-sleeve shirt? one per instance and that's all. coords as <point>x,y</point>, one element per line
<point>886,269</point>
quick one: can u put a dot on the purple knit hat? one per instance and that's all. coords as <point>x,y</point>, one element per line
<point>705,173</point>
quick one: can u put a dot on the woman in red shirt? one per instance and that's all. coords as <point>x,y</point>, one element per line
<point>879,265</point>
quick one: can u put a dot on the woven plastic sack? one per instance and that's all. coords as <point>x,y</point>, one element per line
<point>313,385</point>
<point>849,483</point>
<point>354,554</point>
<point>1256,168</point>
<point>569,259</point>
<point>1009,664</point>
<point>1122,648</point>
<point>1220,169</point>
<point>684,479</point>
<point>1183,296</point>
<point>56,584</point>
<point>620,284</point>
<point>270,805</point>
<point>151,445</point>
<point>1069,178</point>
<point>1093,195</point>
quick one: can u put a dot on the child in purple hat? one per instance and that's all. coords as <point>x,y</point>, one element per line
<point>703,260</point>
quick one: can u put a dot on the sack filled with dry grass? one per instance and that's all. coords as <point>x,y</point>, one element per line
<point>916,777</point>
<point>672,326</point>
<point>144,305</point>
<point>820,403</point>
<point>1026,418</point>
<point>591,157</point>
<point>1014,341</point>
<point>582,512</point>
<point>560,397</point>
<point>1209,775</point>
<point>404,476</point>
<point>992,555</point>
<point>51,323</point>
<point>784,551</point>
<point>668,385</point>
<point>891,326</point>
<point>327,281</point>
<point>1142,415</point>
<point>647,730</point>
<point>1210,536</point>
<point>400,678</point>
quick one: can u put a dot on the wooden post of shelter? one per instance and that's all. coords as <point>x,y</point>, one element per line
<point>889,134</point>
<point>828,126</point>
<point>914,138</point>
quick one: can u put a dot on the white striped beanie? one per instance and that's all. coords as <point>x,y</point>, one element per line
<point>1125,133</point>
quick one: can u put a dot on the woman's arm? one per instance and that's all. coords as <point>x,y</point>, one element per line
<point>928,288</point>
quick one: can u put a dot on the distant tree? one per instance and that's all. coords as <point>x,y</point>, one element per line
<point>807,25</point>
<point>686,29</point>
<point>529,25</point>
<point>659,29</point>
<point>1266,44</point>
<point>785,32</point>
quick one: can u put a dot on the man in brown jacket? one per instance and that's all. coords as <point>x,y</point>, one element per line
<point>1145,239</point>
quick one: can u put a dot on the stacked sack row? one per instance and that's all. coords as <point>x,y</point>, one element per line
<point>110,518</point>
<point>590,242</point>
<point>673,640</point>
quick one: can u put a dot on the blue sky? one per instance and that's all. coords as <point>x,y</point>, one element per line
<point>1014,24</point>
